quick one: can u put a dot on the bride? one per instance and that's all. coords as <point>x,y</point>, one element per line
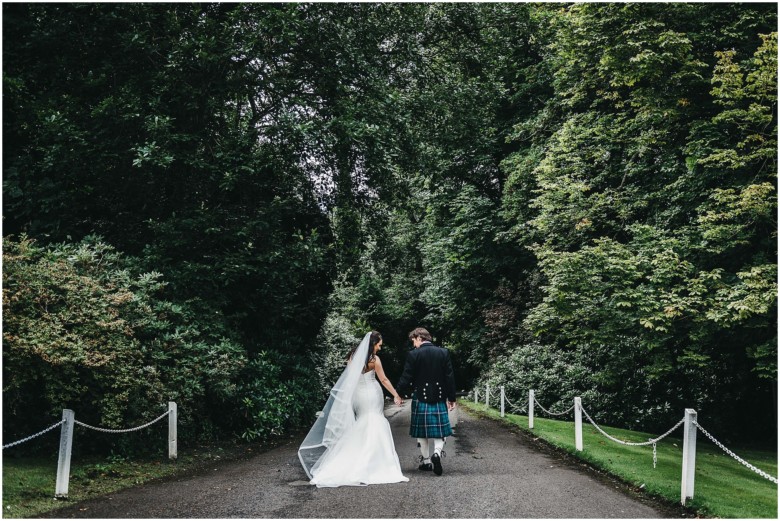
<point>351,442</point>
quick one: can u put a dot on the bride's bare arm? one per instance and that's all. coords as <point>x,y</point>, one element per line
<point>380,374</point>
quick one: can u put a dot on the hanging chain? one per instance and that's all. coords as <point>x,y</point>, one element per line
<point>730,453</point>
<point>630,443</point>
<point>116,431</point>
<point>567,411</point>
<point>28,438</point>
<point>513,407</point>
<point>650,441</point>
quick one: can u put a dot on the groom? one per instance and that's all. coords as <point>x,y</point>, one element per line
<point>428,372</point>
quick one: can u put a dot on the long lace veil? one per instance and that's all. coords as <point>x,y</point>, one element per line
<point>337,415</point>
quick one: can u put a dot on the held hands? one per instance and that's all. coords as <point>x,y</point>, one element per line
<point>450,406</point>
<point>398,401</point>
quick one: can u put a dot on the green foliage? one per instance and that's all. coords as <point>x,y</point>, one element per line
<point>602,374</point>
<point>653,227</point>
<point>337,337</point>
<point>85,330</point>
<point>590,188</point>
<point>276,396</point>
<point>148,134</point>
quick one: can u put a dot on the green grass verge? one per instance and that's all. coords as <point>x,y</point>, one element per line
<point>723,487</point>
<point>28,483</point>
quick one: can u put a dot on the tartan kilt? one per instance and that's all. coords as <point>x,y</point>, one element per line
<point>429,420</point>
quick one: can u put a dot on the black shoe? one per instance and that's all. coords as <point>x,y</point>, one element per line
<point>423,465</point>
<point>436,460</point>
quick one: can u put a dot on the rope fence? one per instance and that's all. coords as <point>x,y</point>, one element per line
<point>28,438</point>
<point>730,453</point>
<point>651,441</point>
<point>631,443</point>
<point>515,408</point>
<point>119,431</point>
<point>66,441</point>
<point>567,411</point>
<point>689,422</point>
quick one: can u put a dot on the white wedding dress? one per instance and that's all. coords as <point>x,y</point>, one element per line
<point>365,453</point>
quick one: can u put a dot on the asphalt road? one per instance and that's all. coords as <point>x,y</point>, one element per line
<point>489,472</point>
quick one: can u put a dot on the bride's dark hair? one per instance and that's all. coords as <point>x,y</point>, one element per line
<point>376,336</point>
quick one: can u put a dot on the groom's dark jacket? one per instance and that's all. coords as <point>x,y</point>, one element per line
<point>428,372</point>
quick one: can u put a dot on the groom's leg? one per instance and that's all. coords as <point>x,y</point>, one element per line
<point>423,444</point>
<point>438,445</point>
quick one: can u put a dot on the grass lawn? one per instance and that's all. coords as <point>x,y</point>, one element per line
<point>28,483</point>
<point>722,487</point>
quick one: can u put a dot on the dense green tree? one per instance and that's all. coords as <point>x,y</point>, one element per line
<point>84,328</point>
<point>636,220</point>
<point>575,198</point>
<point>146,130</point>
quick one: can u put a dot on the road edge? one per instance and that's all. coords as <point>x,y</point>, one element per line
<point>669,508</point>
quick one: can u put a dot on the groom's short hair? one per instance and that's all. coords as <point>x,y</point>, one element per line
<point>420,332</point>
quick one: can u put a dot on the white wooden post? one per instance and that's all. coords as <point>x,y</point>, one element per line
<point>689,456</point>
<point>578,423</point>
<point>531,409</point>
<point>487,396</point>
<point>476,396</point>
<point>502,401</point>
<point>172,424</point>
<point>63,464</point>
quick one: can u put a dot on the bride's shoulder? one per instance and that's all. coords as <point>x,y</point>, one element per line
<point>373,364</point>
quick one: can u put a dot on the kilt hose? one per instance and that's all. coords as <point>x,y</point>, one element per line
<point>429,420</point>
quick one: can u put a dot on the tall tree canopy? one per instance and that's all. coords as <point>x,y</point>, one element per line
<point>579,199</point>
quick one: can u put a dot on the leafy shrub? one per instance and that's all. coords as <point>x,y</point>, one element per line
<point>336,339</point>
<point>84,330</point>
<point>277,395</point>
<point>611,380</point>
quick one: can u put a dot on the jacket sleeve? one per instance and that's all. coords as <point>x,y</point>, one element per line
<point>405,383</point>
<point>449,377</point>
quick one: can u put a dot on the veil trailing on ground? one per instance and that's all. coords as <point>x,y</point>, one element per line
<point>337,415</point>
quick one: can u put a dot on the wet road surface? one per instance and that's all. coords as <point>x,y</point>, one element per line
<point>489,472</point>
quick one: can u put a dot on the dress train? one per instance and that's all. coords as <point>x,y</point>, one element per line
<point>366,454</point>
